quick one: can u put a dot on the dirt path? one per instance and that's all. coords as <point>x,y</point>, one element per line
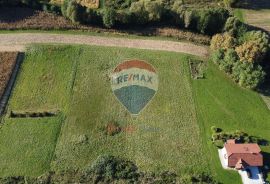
<point>19,41</point>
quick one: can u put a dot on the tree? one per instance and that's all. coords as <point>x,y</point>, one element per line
<point>256,43</point>
<point>248,75</point>
<point>138,13</point>
<point>222,41</point>
<point>249,52</point>
<point>211,21</point>
<point>109,16</point>
<point>235,27</point>
<point>72,10</point>
<point>154,9</point>
<point>229,60</point>
<point>218,56</point>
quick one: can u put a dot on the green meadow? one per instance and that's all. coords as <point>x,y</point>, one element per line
<point>171,133</point>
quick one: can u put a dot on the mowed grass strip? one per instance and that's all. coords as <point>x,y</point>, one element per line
<point>223,104</point>
<point>45,79</point>
<point>27,145</point>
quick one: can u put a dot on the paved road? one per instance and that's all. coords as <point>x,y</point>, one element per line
<point>19,41</point>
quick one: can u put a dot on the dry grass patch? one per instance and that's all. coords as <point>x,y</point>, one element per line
<point>7,62</point>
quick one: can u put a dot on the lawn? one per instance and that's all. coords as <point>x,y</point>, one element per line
<point>27,145</point>
<point>221,103</point>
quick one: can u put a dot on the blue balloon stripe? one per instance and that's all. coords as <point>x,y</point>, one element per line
<point>134,97</point>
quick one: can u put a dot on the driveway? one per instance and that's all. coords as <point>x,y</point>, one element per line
<point>256,177</point>
<point>19,41</point>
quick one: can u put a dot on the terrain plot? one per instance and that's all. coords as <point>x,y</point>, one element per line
<point>75,80</point>
<point>229,108</point>
<point>172,132</point>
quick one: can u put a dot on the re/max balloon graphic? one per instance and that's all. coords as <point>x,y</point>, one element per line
<point>134,83</point>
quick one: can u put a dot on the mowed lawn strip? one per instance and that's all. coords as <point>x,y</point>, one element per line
<point>223,104</point>
<point>165,136</point>
<point>45,79</point>
<point>27,145</point>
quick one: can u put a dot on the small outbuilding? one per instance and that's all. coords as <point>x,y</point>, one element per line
<point>241,156</point>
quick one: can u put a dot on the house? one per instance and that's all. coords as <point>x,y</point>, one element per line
<point>241,156</point>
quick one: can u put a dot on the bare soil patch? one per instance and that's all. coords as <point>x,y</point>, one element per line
<point>26,18</point>
<point>7,62</point>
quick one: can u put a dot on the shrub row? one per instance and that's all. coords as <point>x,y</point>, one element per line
<point>206,21</point>
<point>220,137</point>
<point>14,114</point>
<point>137,12</point>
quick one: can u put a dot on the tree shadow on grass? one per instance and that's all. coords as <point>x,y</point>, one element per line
<point>13,14</point>
<point>264,89</point>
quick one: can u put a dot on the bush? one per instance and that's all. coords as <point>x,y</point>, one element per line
<point>138,13</point>
<point>230,58</point>
<point>235,27</point>
<point>190,19</point>
<point>109,168</point>
<point>109,17</point>
<point>249,52</point>
<point>73,11</point>
<point>154,10</point>
<point>212,21</point>
<point>217,56</point>
<point>255,46</point>
<point>248,75</point>
<point>222,41</point>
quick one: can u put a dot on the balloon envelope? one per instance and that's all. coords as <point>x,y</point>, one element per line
<point>134,83</point>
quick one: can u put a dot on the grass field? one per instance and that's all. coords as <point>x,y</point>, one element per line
<point>171,133</point>
<point>75,81</point>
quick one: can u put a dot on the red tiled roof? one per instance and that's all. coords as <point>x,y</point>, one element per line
<point>240,155</point>
<point>242,148</point>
